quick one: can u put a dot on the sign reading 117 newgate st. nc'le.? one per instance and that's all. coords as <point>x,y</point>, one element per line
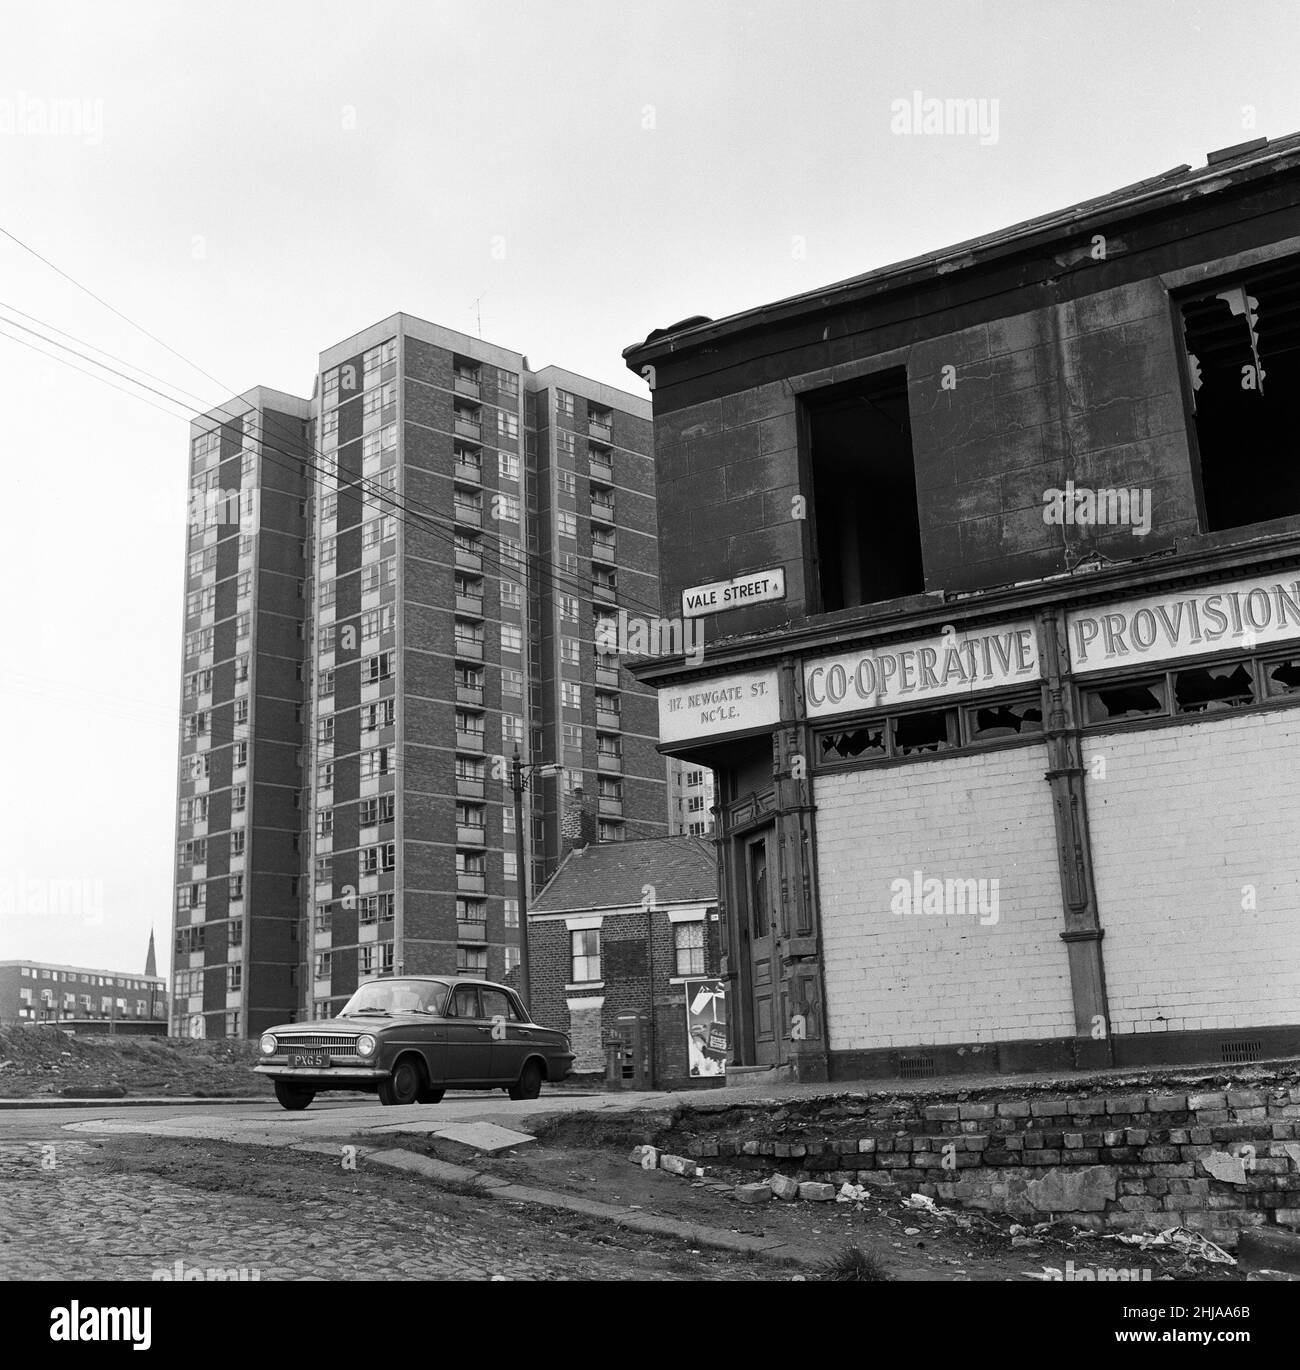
<point>718,707</point>
<point>756,588</point>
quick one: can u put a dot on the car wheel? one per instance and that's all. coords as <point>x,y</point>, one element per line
<point>292,1096</point>
<point>431,1096</point>
<point>403,1085</point>
<point>529,1084</point>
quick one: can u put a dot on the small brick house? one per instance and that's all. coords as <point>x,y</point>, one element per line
<point>632,927</point>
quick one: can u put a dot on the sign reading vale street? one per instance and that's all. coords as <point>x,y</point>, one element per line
<point>755,588</point>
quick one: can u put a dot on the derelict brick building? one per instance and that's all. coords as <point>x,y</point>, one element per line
<point>999,555</point>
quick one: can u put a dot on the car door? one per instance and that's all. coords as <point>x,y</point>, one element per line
<point>469,1038</point>
<point>512,1036</point>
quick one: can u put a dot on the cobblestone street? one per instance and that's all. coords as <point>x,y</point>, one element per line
<point>125,1208</point>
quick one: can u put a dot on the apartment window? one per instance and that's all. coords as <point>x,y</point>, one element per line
<point>328,550</point>
<point>512,683</point>
<point>325,822</point>
<point>1244,369</point>
<point>512,637</point>
<point>571,735</point>
<point>512,728</point>
<point>688,941</point>
<point>569,651</point>
<point>242,627</point>
<point>376,762</point>
<point>567,523</point>
<point>566,444</point>
<point>325,684</point>
<point>328,593</point>
<point>377,809</point>
<point>512,553</point>
<point>236,888</point>
<point>237,840</point>
<point>695,804</point>
<point>867,541</point>
<point>566,480</point>
<point>385,958</point>
<point>239,758</point>
<point>238,798</point>
<point>569,607</point>
<point>376,716</point>
<point>378,858</point>
<point>235,977</point>
<point>325,731</point>
<point>329,636</point>
<point>375,622</point>
<point>585,955</point>
<point>609,832</point>
<point>506,508</point>
<point>237,932</point>
<point>323,966</point>
<point>564,403</point>
<point>325,776</point>
<point>571,693</point>
<point>512,596</point>
<point>507,426</point>
<point>377,668</point>
<point>508,465</point>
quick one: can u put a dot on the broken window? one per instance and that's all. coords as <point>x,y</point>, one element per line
<point>928,732</point>
<point>1243,345</point>
<point>992,721</point>
<point>866,530</point>
<point>866,741</point>
<point>1132,699</point>
<point>1282,677</point>
<point>1209,688</point>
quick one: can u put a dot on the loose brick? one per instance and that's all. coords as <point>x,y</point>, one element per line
<point>866,1145</point>
<point>979,1111</point>
<point>1196,1102</point>
<point>784,1187</point>
<point>752,1193</point>
<point>1245,1098</point>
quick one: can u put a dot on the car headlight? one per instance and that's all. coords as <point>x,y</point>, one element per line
<point>268,1044</point>
<point>366,1045</point>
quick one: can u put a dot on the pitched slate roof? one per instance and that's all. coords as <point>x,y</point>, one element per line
<point>609,875</point>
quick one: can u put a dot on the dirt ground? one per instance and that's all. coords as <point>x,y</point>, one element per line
<point>47,1063</point>
<point>911,1244</point>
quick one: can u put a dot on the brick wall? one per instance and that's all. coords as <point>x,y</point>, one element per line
<point>1175,863</point>
<point>899,980</point>
<point>1215,1160</point>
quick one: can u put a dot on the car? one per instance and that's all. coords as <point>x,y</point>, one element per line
<point>412,1038</point>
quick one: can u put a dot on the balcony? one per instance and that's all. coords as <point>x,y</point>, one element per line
<point>469,694</point>
<point>471,835</point>
<point>607,594</point>
<point>610,808</point>
<point>600,467</point>
<point>468,558</point>
<point>602,509</point>
<point>469,472</point>
<point>470,604</point>
<point>470,787</point>
<point>610,761</point>
<point>468,428</point>
<point>606,675</point>
<point>466,383</point>
<point>600,429</point>
<point>471,931</point>
<point>471,515</point>
<point>469,741</point>
<point>609,718</point>
<point>474,882</point>
<point>470,648</point>
<point>602,551</point>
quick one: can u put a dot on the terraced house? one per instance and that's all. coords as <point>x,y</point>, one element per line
<point>998,551</point>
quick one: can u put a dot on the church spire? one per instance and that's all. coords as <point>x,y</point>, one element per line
<point>150,961</point>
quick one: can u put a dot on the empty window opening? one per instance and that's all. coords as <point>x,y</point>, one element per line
<point>866,527</point>
<point>855,742</point>
<point>1210,688</point>
<point>1133,699</point>
<point>1243,344</point>
<point>927,732</point>
<point>1003,720</point>
<point>1283,677</point>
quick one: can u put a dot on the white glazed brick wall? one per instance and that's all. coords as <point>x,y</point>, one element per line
<point>1182,821</point>
<point>906,981</point>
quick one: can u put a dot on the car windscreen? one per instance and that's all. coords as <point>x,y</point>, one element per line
<point>396,996</point>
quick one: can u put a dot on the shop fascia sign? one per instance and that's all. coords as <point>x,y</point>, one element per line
<point>719,707</point>
<point>758,587</point>
<point>1242,613</point>
<point>938,667</point>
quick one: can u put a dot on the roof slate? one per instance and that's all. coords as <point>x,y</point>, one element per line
<point>608,875</point>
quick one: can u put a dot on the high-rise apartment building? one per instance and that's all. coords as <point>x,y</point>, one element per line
<point>690,799</point>
<point>464,525</point>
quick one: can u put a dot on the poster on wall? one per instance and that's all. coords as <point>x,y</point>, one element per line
<point>706,1027</point>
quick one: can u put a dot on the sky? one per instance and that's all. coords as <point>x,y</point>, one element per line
<point>252,183</point>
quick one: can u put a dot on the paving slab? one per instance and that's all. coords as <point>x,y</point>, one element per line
<point>487,1138</point>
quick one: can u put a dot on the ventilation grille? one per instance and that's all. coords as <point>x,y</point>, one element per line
<point>1234,1053</point>
<point>916,1067</point>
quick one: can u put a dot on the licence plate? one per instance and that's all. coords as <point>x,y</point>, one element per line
<point>316,1060</point>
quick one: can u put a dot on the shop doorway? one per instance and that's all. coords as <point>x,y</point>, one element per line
<point>758,938</point>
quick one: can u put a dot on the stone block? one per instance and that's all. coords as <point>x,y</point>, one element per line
<point>1014,1109</point>
<point>866,1145</point>
<point>784,1187</point>
<point>1078,1191</point>
<point>1246,1098</point>
<point>1125,1103</point>
<point>1167,1103</point>
<point>753,1193</point>
<point>1196,1102</point>
<point>1221,1165</point>
<point>677,1165</point>
<point>941,1113</point>
<point>817,1193</point>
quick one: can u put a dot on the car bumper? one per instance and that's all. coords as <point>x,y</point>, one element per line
<point>323,1076</point>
